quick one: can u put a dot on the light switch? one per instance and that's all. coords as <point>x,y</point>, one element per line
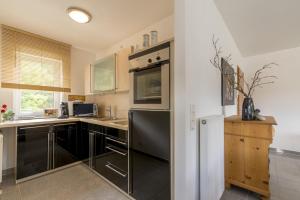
<point>192,117</point>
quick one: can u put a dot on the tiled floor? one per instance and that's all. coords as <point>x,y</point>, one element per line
<point>284,181</point>
<point>79,183</point>
<point>75,183</point>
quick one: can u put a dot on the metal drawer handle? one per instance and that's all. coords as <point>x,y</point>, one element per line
<point>97,132</point>
<point>117,141</point>
<point>112,168</point>
<point>115,150</point>
<point>68,124</point>
<point>32,127</point>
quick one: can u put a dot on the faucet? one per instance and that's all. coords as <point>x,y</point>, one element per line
<point>108,109</point>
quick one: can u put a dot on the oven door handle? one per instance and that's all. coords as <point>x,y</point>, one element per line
<point>154,65</point>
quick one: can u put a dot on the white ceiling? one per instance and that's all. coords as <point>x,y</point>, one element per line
<point>113,20</point>
<point>261,26</point>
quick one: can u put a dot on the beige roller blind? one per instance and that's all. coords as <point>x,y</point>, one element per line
<point>30,61</point>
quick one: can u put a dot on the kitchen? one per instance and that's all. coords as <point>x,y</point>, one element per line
<point>108,99</point>
<point>149,100</point>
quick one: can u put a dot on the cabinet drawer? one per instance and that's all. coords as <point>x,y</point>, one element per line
<point>114,167</point>
<point>257,130</point>
<point>232,128</point>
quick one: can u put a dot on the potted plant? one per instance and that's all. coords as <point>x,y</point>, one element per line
<point>6,115</point>
<point>258,80</point>
<point>3,110</point>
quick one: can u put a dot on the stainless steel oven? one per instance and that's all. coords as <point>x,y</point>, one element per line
<point>150,78</point>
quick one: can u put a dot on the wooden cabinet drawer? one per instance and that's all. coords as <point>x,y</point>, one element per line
<point>257,131</point>
<point>232,128</point>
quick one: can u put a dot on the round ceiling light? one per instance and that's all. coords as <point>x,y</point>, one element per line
<point>79,15</point>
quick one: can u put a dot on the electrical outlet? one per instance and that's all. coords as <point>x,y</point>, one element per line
<point>192,117</point>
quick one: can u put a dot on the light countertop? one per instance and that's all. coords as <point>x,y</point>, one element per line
<point>32,122</point>
<point>237,119</point>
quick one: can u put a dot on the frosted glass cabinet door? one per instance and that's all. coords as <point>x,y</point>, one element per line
<point>103,75</point>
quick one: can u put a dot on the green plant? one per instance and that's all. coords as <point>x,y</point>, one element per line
<point>8,115</point>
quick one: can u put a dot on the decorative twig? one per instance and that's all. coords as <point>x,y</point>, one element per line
<point>257,79</point>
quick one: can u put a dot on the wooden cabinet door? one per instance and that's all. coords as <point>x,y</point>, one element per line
<point>234,152</point>
<point>257,162</point>
<point>122,75</point>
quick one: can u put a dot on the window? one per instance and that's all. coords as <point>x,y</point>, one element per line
<point>33,102</point>
<point>37,67</point>
<point>37,70</point>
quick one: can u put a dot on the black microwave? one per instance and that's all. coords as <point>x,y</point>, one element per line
<point>85,109</point>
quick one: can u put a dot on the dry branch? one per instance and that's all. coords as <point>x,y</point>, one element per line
<point>256,81</point>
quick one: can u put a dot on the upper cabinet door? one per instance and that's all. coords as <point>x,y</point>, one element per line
<point>122,75</point>
<point>103,75</point>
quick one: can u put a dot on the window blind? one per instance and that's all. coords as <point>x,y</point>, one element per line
<point>30,61</point>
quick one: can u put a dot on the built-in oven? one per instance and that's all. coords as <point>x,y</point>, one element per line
<point>150,78</point>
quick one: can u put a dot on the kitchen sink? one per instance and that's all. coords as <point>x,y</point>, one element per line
<point>104,118</point>
<point>123,123</point>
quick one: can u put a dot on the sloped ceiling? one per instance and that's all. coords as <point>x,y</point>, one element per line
<point>262,26</point>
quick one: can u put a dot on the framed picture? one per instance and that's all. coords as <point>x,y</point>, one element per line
<point>227,81</point>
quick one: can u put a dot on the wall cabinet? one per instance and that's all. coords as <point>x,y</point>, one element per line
<point>122,68</point>
<point>247,153</point>
<point>110,74</point>
<point>103,75</point>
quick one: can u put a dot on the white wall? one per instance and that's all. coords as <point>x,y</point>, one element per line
<point>179,102</point>
<point>165,28</point>
<point>80,60</point>
<point>282,98</point>
<point>201,20</point>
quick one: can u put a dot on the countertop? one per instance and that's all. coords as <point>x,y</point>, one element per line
<point>32,122</point>
<point>235,118</point>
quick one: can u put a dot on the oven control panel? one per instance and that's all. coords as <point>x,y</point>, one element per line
<point>150,56</point>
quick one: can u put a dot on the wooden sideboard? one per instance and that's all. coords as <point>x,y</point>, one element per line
<point>247,153</point>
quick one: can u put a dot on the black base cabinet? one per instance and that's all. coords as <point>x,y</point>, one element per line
<point>32,150</point>
<point>65,144</point>
<point>83,142</point>
<point>109,154</point>
<point>45,147</point>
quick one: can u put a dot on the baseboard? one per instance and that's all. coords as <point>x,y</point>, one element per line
<point>9,171</point>
<point>283,152</point>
